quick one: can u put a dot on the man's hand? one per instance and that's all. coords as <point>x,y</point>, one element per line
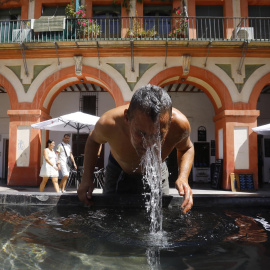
<point>85,191</point>
<point>185,190</point>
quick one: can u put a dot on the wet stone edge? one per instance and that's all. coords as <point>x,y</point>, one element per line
<point>129,201</point>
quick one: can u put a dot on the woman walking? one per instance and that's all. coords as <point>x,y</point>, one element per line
<point>49,167</point>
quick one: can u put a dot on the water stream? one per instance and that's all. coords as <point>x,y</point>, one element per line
<point>152,176</point>
<point>151,163</point>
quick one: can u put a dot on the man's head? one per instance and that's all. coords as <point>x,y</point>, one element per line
<point>66,138</point>
<point>149,117</point>
<point>151,100</point>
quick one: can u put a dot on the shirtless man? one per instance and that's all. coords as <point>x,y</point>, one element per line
<point>128,129</point>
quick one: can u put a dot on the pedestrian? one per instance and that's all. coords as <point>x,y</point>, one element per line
<point>63,151</point>
<point>129,130</point>
<point>50,167</point>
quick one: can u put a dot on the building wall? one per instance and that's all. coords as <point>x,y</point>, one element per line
<point>229,102</point>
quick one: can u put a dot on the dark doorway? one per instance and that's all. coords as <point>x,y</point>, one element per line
<point>172,165</point>
<point>88,105</point>
<point>260,160</point>
<point>80,153</point>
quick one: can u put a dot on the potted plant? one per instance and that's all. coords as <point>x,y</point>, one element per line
<point>70,10</point>
<point>180,27</point>
<point>90,29</point>
<point>85,28</point>
<point>137,30</point>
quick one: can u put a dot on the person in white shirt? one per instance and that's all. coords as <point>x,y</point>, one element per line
<point>49,167</point>
<point>62,157</point>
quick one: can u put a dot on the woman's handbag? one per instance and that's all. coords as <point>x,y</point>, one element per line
<point>69,160</point>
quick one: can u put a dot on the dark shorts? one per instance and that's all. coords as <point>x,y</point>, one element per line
<point>117,181</point>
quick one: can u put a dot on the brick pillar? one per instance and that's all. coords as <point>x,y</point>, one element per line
<point>24,147</point>
<point>239,143</point>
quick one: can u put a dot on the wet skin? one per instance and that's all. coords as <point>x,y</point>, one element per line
<point>125,137</point>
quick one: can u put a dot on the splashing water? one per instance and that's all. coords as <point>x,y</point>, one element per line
<point>151,163</point>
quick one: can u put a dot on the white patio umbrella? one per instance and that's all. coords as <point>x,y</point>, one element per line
<point>263,130</point>
<point>77,122</point>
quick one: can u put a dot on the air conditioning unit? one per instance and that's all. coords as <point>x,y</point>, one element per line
<point>246,33</point>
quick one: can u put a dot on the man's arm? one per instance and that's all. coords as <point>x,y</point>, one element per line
<point>73,160</point>
<point>91,151</point>
<point>185,156</point>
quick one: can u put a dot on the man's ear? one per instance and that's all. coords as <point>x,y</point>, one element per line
<point>126,115</point>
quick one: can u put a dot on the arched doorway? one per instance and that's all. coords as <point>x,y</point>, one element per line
<point>40,109</point>
<point>264,140</point>
<point>4,133</point>
<point>228,119</point>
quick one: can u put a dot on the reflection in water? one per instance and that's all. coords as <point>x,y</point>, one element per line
<point>249,229</point>
<point>83,238</point>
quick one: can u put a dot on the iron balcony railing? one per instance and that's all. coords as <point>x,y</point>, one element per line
<point>60,29</point>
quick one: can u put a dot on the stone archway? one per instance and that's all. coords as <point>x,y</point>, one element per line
<point>55,83</point>
<point>213,87</point>
<point>22,115</point>
<point>259,99</point>
<point>8,100</point>
<point>13,99</point>
<point>228,119</point>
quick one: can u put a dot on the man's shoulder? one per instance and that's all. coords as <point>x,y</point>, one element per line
<point>112,117</point>
<point>109,125</point>
<point>179,123</point>
<point>179,117</point>
<point>59,147</point>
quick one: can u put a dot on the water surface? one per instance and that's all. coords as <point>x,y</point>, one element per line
<point>83,238</point>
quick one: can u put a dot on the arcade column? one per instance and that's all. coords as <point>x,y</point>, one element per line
<point>236,143</point>
<point>24,147</point>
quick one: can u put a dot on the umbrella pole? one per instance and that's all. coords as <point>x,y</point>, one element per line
<point>78,171</point>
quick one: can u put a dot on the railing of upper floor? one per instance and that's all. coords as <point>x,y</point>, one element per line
<point>60,29</point>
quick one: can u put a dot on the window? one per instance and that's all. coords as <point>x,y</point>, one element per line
<point>53,11</point>
<point>260,21</point>
<point>202,154</point>
<point>109,19</point>
<point>10,14</point>
<point>89,104</point>
<point>158,18</point>
<point>9,23</point>
<point>210,25</point>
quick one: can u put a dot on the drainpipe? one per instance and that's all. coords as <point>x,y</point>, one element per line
<point>77,4</point>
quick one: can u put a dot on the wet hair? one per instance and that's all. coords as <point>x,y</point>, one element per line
<point>152,100</point>
<point>49,142</point>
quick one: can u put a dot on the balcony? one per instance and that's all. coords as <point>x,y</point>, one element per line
<point>142,31</point>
